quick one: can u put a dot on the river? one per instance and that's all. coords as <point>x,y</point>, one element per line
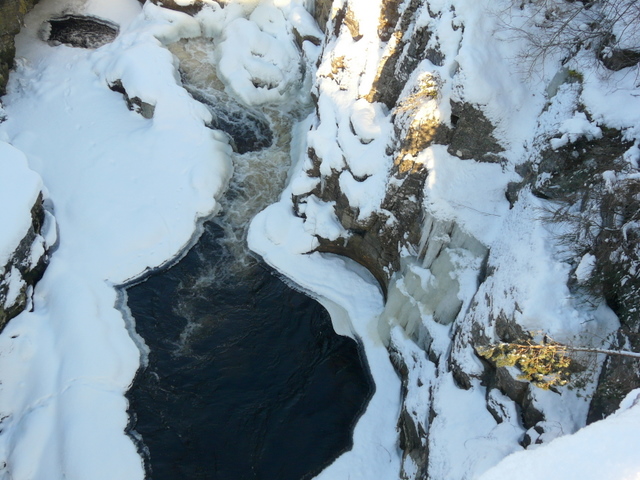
<point>245,377</point>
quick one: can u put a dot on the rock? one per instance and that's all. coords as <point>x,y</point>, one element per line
<point>322,12</point>
<point>402,56</point>
<point>472,134</point>
<point>618,58</point>
<point>135,104</point>
<point>568,169</point>
<point>12,13</point>
<point>619,376</point>
<point>190,7</point>
<point>79,31</point>
<point>346,17</point>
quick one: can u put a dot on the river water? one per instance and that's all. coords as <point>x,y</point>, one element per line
<point>246,378</point>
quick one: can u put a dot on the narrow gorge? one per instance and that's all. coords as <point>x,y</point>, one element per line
<point>330,239</point>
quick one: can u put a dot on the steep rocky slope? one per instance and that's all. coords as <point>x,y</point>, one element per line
<point>477,173</point>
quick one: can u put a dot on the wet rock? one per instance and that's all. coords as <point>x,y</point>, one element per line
<point>135,104</point>
<point>12,13</point>
<point>79,31</point>
<point>250,130</point>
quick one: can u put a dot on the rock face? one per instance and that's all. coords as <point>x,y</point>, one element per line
<point>26,235</point>
<point>11,14</point>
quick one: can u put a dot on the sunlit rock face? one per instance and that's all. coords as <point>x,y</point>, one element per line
<point>11,14</point>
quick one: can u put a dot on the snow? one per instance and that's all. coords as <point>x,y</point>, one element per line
<point>470,192</point>
<point>574,128</point>
<point>354,301</point>
<point>15,284</point>
<point>19,190</point>
<point>259,61</point>
<point>604,450</point>
<point>323,220</point>
<point>585,267</point>
<point>126,193</point>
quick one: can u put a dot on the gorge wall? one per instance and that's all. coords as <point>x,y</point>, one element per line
<point>447,286</point>
<point>23,250</point>
<point>28,233</point>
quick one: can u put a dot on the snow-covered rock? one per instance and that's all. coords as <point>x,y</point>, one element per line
<point>27,233</point>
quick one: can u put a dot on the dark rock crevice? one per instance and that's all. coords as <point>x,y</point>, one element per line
<point>79,31</point>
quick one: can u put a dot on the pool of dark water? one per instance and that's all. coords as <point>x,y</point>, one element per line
<point>246,379</point>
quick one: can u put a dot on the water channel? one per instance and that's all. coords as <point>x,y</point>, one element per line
<point>246,378</point>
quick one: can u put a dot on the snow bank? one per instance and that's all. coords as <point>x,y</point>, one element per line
<point>127,193</point>
<point>605,450</point>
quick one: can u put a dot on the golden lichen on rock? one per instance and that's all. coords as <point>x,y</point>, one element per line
<point>545,366</point>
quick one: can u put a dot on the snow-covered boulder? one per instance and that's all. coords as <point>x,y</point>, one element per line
<point>26,232</point>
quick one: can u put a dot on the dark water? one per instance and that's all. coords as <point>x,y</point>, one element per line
<point>257,387</point>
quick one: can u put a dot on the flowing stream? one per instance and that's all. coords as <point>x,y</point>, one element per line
<point>245,377</point>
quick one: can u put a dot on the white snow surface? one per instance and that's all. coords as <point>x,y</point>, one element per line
<point>126,193</point>
<point>604,450</point>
